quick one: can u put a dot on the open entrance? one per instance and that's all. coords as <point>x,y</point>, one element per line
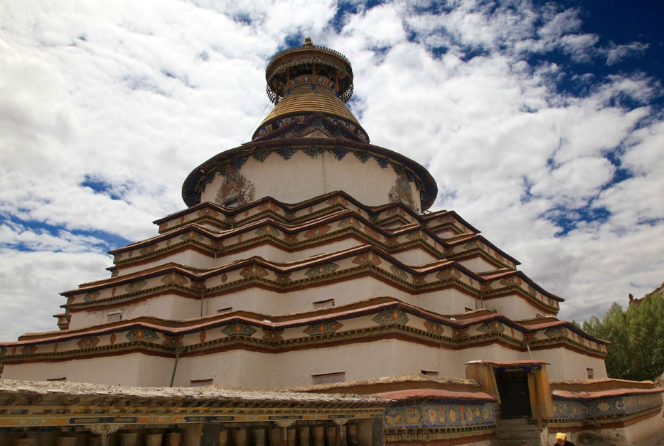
<point>514,395</point>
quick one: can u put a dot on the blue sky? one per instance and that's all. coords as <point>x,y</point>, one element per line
<point>541,121</point>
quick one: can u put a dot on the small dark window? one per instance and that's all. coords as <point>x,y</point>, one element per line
<point>323,304</point>
<point>326,378</point>
<point>113,317</point>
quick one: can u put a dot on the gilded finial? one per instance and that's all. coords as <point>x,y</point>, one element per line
<point>307,41</point>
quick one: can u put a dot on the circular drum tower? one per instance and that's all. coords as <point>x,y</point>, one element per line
<point>310,144</point>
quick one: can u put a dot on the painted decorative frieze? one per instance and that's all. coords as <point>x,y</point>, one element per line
<point>439,415</point>
<point>286,152</point>
<point>491,327</point>
<point>253,271</point>
<point>321,270</point>
<point>460,332</point>
<point>273,335</point>
<point>605,407</point>
<point>174,279</point>
<point>555,332</point>
<point>338,152</point>
<point>372,233</point>
<point>29,349</point>
<point>192,235</point>
<point>362,155</point>
<point>323,328</point>
<point>148,249</point>
<point>337,200</point>
<point>135,286</point>
<point>448,274</point>
<point>173,341</point>
<point>261,155</point>
<point>433,327</point>
<point>349,222</point>
<point>317,231</point>
<point>88,342</point>
<point>313,152</point>
<point>142,334</point>
<point>401,274</point>
<point>269,206</point>
<point>510,281</point>
<point>268,230</point>
<point>207,211</point>
<point>417,235</point>
<point>393,316</point>
<point>92,296</point>
<point>284,278</point>
<point>367,258</point>
<point>238,329</point>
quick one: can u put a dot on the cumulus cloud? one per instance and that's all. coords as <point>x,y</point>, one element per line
<point>106,107</point>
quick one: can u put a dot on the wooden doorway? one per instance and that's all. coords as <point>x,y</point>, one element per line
<point>514,395</point>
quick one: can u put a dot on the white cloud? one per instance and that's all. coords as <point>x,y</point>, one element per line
<point>616,53</point>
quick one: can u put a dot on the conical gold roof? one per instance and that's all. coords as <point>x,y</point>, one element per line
<point>303,100</point>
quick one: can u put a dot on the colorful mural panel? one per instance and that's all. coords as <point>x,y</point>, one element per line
<point>439,415</point>
<point>253,271</point>
<point>90,297</point>
<point>238,329</point>
<point>175,279</point>
<point>323,328</point>
<point>142,334</point>
<point>317,232</point>
<point>620,405</point>
<point>401,274</point>
<point>235,188</point>
<point>433,327</point>
<point>135,286</point>
<point>491,327</point>
<point>321,270</point>
<point>401,192</point>
<point>268,230</point>
<point>88,342</point>
<point>393,316</point>
<point>349,222</point>
<point>273,335</point>
<point>366,259</point>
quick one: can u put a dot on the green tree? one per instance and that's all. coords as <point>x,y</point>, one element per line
<point>637,338</point>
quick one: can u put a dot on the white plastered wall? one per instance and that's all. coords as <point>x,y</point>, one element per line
<point>188,257</point>
<point>477,265</point>
<point>361,361</point>
<point>163,307</point>
<point>133,369</point>
<point>268,252</point>
<point>271,302</point>
<point>515,307</point>
<point>344,292</point>
<point>414,257</point>
<point>309,177</point>
<point>358,361</point>
<point>568,364</point>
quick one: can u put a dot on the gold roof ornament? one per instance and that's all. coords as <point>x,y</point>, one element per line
<point>308,80</point>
